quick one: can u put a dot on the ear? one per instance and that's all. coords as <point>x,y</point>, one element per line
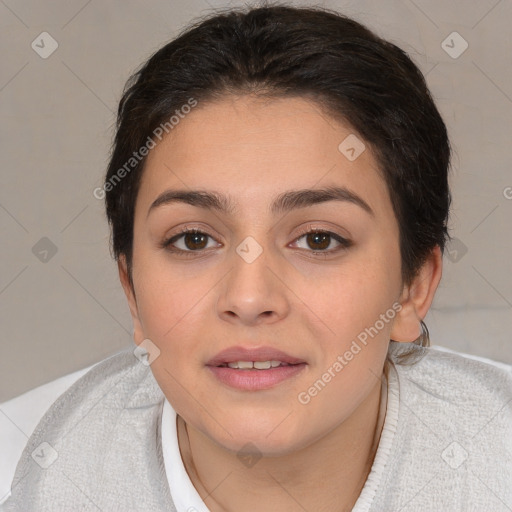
<point>417,297</point>
<point>138,331</point>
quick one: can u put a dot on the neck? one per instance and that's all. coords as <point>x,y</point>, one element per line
<point>329,474</point>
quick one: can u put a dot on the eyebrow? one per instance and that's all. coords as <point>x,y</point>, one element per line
<point>285,202</point>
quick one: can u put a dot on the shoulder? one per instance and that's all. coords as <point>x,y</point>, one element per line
<point>451,446</point>
<point>90,438</point>
<point>118,377</point>
<point>459,396</point>
<point>116,384</point>
<point>457,379</point>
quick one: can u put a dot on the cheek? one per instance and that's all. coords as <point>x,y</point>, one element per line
<point>174,304</point>
<point>356,320</point>
<point>171,312</point>
<point>351,299</point>
<point>169,297</point>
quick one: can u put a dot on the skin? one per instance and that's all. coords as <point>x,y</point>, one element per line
<point>315,456</point>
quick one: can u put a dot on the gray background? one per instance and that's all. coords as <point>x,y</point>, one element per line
<point>64,311</point>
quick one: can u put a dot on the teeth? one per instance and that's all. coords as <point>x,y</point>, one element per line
<point>259,365</point>
<point>244,365</point>
<point>262,365</point>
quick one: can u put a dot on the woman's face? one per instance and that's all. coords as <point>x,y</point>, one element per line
<point>251,279</point>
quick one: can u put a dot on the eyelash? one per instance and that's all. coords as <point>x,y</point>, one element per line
<point>344,242</point>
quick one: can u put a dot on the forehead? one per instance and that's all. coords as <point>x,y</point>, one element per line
<point>251,149</point>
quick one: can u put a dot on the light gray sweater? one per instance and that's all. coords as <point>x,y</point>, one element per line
<point>446,444</point>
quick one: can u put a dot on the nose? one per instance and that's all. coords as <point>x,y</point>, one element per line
<point>254,291</point>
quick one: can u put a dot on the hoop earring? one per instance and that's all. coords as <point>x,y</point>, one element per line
<point>424,338</point>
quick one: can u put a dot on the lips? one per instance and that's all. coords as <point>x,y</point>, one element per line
<point>254,369</point>
<point>235,354</point>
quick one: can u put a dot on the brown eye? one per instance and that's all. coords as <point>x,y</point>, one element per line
<point>188,241</point>
<point>318,241</point>
<point>195,241</point>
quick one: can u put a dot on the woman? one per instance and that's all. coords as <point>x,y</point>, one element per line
<point>278,198</point>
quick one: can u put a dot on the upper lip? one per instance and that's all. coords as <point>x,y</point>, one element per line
<point>233,354</point>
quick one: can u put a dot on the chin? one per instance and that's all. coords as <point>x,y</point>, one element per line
<point>262,437</point>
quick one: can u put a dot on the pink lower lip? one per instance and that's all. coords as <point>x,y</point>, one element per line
<point>253,380</point>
